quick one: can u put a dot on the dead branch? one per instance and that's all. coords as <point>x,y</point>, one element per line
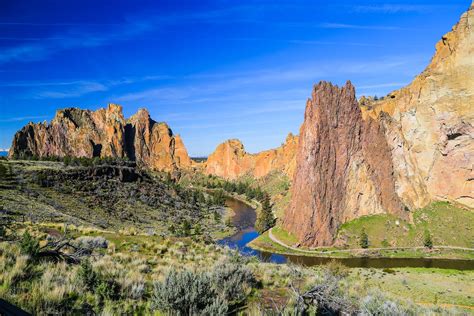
<point>63,250</point>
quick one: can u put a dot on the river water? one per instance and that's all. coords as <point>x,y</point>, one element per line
<point>244,220</point>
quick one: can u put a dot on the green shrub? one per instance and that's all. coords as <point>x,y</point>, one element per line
<point>231,281</point>
<point>428,242</point>
<point>377,304</point>
<point>185,293</point>
<point>87,275</point>
<point>337,269</point>
<point>107,290</point>
<point>203,293</point>
<point>364,240</point>
<point>29,245</point>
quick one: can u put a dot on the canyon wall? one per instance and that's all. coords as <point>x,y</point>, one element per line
<point>344,168</point>
<point>413,147</point>
<point>103,133</point>
<point>430,123</point>
<point>231,161</point>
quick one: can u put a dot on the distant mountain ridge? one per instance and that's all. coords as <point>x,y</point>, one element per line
<point>231,161</point>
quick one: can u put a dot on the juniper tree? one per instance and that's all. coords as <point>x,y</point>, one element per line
<point>364,240</point>
<point>265,219</point>
<point>428,242</point>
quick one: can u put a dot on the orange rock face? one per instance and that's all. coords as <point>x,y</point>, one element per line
<point>231,161</point>
<point>103,133</point>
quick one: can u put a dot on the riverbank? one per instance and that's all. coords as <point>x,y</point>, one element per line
<point>270,242</point>
<point>448,225</point>
<point>228,213</point>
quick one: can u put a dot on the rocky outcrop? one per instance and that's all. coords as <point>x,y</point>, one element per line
<point>153,144</point>
<point>231,161</point>
<point>103,133</point>
<point>344,168</point>
<point>430,124</point>
<point>413,147</point>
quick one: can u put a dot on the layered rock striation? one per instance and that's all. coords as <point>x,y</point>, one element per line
<point>231,161</point>
<point>103,133</point>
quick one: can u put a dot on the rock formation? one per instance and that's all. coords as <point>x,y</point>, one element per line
<point>231,161</point>
<point>413,147</point>
<point>430,124</point>
<point>344,168</point>
<point>153,144</point>
<point>103,133</point>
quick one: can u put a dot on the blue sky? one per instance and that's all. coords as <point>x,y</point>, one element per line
<point>212,70</point>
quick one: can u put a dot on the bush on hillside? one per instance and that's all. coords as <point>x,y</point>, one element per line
<point>232,281</point>
<point>428,242</point>
<point>364,240</point>
<point>29,245</point>
<point>378,304</point>
<point>203,293</point>
<point>185,293</point>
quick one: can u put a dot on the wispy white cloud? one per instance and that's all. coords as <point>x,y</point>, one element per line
<point>211,86</point>
<point>396,8</point>
<point>69,39</point>
<point>56,24</point>
<point>265,107</point>
<point>60,89</point>
<point>303,41</point>
<point>43,83</point>
<point>383,85</point>
<point>76,90</point>
<point>329,25</point>
<point>23,118</point>
<point>232,124</point>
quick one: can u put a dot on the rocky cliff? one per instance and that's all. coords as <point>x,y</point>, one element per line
<point>344,168</point>
<point>430,124</point>
<point>389,156</point>
<point>103,133</point>
<point>231,161</point>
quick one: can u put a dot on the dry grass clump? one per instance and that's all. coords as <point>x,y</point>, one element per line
<point>58,284</point>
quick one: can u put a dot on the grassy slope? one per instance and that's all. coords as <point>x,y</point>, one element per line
<point>429,286</point>
<point>448,225</point>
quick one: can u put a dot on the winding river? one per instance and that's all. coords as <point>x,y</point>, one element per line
<point>244,219</point>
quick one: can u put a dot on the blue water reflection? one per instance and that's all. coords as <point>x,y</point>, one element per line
<point>244,219</point>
